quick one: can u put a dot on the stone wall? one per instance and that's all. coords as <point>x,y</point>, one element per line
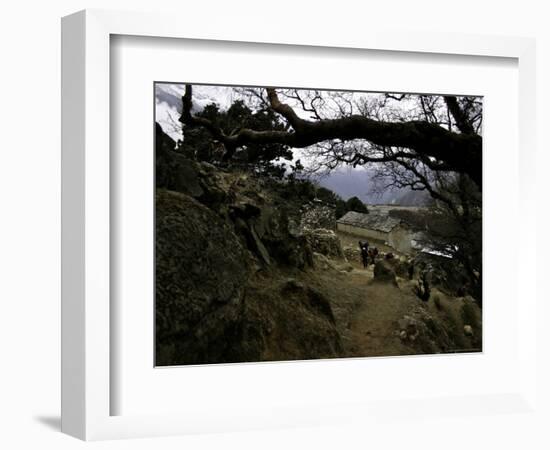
<point>363,232</point>
<point>315,216</point>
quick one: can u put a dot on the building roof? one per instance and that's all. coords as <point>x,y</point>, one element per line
<point>386,209</point>
<point>373,221</point>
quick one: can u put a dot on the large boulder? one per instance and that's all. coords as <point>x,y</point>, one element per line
<point>268,234</point>
<point>285,321</point>
<point>201,271</point>
<point>425,333</point>
<point>199,180</point>
<point>384,272</point>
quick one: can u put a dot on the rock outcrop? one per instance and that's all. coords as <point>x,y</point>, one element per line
<point>201,271</point>
<point>217,235</point>
<point>266,230</point>
<point>384,272</point>
<point>209,308</point>
<point>445,328</point>
<point>422,331</point>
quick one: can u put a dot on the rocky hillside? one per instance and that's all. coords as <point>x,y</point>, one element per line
<point>226,245</point>
<point>240,276</point>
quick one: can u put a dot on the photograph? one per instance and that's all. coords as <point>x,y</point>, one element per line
<point>297,223</point>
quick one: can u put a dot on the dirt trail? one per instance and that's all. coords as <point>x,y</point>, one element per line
<point>375,318</point>
<point>370,315</point>
<point>366,311</point>
<point>372,330</point>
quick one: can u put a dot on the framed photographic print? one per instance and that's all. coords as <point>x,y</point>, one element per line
<point>297,224</point>
<point>265,231</point>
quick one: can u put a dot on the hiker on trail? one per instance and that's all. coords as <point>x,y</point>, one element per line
<point>423,290</point>
<point>364,247</point>
<point>372,254</point>
<point>411,270</point>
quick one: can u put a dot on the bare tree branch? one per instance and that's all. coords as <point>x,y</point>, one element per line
<point>459,151</point>
<point>460,117</point>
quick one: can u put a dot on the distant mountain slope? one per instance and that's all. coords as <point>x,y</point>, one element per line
<point>359,182</point>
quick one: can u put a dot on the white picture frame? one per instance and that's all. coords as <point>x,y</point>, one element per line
<point>86,325</point>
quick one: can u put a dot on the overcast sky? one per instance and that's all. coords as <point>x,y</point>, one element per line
<point>168,103</point>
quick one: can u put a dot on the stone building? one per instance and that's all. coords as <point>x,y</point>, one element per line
<point>379,225</point>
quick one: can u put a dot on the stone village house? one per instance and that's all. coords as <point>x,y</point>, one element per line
<point>379,225</point>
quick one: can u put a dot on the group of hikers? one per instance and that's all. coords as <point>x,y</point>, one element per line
<point>422,290</point>
<point>427,275</point>
<point>368,255</point>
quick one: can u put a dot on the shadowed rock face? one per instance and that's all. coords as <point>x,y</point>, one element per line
<point>285,320</point>
<point>264,228</point>
<point>201,270</point>
<point>214,231</point>
<point>209,308</point>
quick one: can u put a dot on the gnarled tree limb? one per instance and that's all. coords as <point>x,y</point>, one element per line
<point>461,119</point>
<point>460,152</point>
